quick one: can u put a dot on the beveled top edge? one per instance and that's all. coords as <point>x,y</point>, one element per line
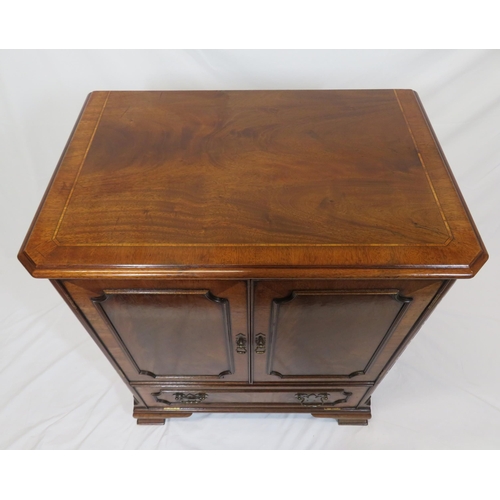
<point>253,272</point>
<point>43,268</point>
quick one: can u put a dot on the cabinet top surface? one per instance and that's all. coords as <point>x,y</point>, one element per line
<point>230,181</point>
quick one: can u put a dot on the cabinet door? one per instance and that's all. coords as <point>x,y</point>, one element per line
<point>333,330</point>
<point>168,330</point>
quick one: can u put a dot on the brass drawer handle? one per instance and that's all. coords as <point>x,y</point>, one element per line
<point>241,343</point>
<point>182,397</point>
<point>315,399</point>
<point>260,340</point>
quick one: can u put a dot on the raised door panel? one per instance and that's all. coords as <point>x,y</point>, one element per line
<point>314,332</point>
<point>160,330</point>
<point>332,330</point>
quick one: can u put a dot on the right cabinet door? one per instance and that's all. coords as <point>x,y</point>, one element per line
<point>321,330</point>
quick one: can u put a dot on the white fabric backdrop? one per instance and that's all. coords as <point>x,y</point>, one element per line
<point>57,389</point>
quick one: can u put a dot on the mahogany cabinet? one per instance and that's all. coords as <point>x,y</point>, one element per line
<point>252,251</point>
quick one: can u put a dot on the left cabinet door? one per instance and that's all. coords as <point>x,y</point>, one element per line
<point>172,331</point>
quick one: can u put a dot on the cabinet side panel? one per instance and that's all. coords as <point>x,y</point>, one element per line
<point>59,286</point>
<point>433,302</point>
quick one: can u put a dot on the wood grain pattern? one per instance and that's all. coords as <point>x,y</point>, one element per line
<point>168,397</point>
<point>167,330</point>
<point>250,184</point>
<point>253,251</point>
<point>331,333</point>
<point>339,330</point>
<point>261,172</point>
<point>171,332</point>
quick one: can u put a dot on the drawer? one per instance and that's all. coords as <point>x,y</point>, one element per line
<point>168,398</point>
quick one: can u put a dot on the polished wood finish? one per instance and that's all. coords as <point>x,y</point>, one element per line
<point>154,420</point>
<point>253,251</point>
<point>297,184</point>
<point>170,331</point>
<point>334,330</point>
<point>206,397</point>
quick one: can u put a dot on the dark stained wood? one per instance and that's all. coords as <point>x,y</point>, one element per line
<point>59,286</point>
<point>171,332</point>
<point>298,397</point>
<point>251,169</point>
<point>154,420</point>
<point>344,417</point>
<point>157,330</point>
<point>403,342</point>
<point>350,421</point>
<point>162,184</point>
<point>334,330</point>
<point>330,333</point>
<point>253,251</point>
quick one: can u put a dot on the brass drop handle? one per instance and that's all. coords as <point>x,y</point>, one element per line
<point>312,399</point>
<point>260,341</point>
<point>182,397</point>
<point>241,343</point>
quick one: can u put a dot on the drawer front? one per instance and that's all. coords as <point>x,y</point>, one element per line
<point>193,399</point>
